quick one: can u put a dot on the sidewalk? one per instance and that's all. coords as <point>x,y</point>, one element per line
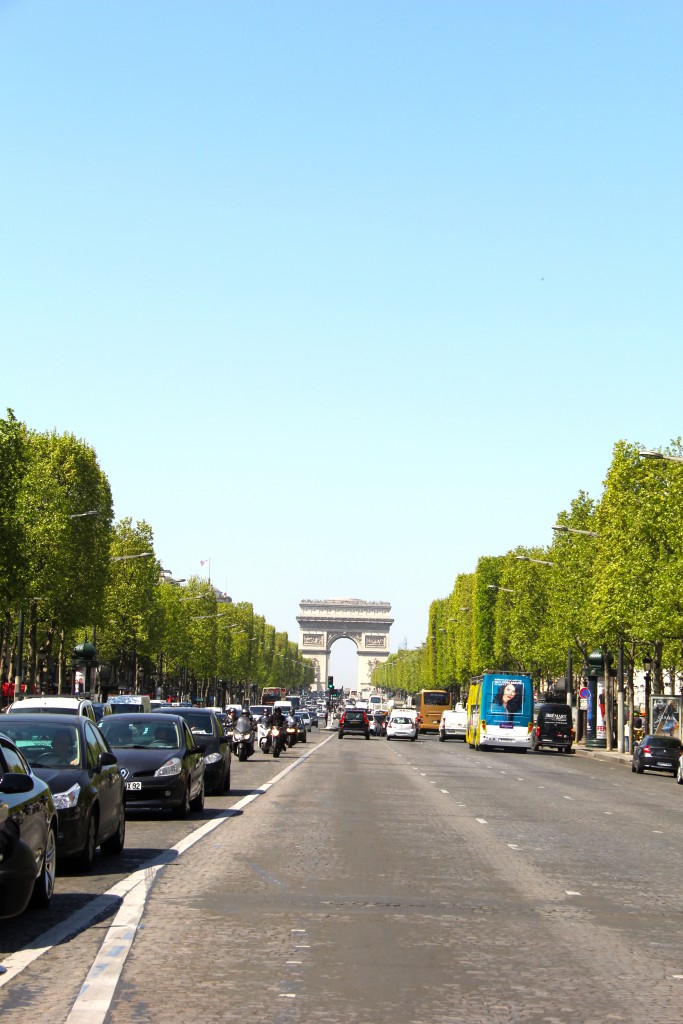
<point>602,755</point>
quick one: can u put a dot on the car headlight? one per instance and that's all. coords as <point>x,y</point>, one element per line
<point>171,767</point>
<point>63,801</point>
<point>212,758</point>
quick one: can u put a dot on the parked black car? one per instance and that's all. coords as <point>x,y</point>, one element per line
<point>658,754</point>
<point>209,732</point>
<point>28,834</point>
<point>354,721</point>
<point>77,763</point>
<point>161,763</point>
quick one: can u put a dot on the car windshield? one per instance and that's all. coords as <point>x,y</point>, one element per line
<point>143,733</point>
<point>46,745</point>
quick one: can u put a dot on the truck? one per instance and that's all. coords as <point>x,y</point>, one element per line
<point>500,708</point>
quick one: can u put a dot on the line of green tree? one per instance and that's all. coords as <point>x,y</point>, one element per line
<point>68,572</point>
<point>619,582</point>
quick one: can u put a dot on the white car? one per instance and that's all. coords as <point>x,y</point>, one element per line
<point>401,725</point>
<point>305,717</point>
<point>453,724</point>
<point>54,706</point>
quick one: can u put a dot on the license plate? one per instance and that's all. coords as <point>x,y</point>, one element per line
<point>133,785</point>
<point>663,764</point>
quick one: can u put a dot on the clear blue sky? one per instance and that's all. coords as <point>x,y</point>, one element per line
<point>344,294</point>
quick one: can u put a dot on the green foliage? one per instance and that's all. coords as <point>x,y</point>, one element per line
<point>484,603</point>
<point>13,548</point>
<point>67,553</point>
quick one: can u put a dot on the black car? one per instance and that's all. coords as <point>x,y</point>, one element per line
<point>161,763</point>
<point>209,732</point>
<point>78,765</point>
<point>355,722</point>
<point>657,754</point>
<point>28,834</point>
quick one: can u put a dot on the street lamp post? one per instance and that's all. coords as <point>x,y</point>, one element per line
<point>570,529</point>
<point>660,456</point>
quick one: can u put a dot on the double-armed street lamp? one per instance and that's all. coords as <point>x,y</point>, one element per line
<point>127,558</point>
<point>494,586</point>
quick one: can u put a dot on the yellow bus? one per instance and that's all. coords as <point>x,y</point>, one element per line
<point>430,705</point>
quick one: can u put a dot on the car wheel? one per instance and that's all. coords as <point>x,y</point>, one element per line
<point>198,803</point>
<point>116,842</point>
<point>413,738</point>
<point>633,767</point>
<point>388,737</point>
<point>340,734</point>
<point>640,770</point>
<point>87,855</point>
<point>45,882</point>
<point>183,809</point>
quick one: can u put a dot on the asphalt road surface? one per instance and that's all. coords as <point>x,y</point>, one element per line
<point>411,883</point>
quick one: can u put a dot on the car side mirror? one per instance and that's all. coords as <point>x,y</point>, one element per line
<point>223,739</point>
<point>106,758</point>
<point>15,782</point>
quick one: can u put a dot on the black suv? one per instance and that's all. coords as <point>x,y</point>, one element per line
<point>354,721</point>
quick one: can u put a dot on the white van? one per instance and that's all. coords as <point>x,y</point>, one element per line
<point>453,724</point>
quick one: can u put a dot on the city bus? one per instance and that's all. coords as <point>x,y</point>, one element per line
<point>272,693</point>
<point>430,705</point>
<point>500,711</point>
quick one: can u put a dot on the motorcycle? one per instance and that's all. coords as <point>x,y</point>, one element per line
<point>277,739</point>
<point>243,738</point>
<point>292,731</point>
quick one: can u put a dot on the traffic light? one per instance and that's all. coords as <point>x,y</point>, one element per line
<point>330,683</point>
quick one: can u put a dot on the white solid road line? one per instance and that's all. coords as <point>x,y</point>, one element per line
<point>93,1001</point>
<point>133,891</point>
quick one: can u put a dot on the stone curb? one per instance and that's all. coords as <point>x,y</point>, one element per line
<point>604,755</point>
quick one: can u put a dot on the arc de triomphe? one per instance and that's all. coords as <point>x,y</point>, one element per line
<point>367,623</point>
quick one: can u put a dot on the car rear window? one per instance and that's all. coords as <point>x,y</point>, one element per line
<point>355,716</point>
<point>664,741</point>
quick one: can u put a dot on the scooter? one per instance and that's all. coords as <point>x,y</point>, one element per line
<point>243,739</point>
<point>264,736</point>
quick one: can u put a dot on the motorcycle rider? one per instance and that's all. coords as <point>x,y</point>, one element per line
<point>278,718</point>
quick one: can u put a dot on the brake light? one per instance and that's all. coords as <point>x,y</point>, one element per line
<point>646,750</point>
<point>538,730</point>
<point>483,725</point>
<point>571,734</point>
